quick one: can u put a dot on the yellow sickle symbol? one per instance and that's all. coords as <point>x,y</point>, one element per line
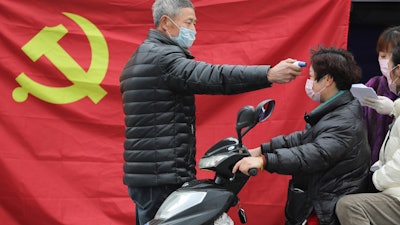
<point>45,43</point>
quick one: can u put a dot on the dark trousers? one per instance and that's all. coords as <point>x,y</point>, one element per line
<point>148,200</point>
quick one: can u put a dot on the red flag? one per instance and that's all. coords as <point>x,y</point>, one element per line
<point>61,119</point>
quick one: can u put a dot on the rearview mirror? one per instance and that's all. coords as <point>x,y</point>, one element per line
<point>245,118</point>
<point>248,117</point>
<point>264,109</point>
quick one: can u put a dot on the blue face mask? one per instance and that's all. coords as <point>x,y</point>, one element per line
<point>185,37</point>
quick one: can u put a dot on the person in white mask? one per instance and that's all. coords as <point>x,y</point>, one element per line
<point>377,111</point>
<point>382,207</point>
<point>328,159</point>
<point>158,86</point>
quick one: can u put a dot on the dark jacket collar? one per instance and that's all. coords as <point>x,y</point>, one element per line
<point>314,116</point>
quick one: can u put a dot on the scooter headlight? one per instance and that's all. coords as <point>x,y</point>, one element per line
<point>179,201</point>
<point>212,161</point>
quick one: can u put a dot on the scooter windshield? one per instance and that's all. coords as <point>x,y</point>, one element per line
<point>179,201</point>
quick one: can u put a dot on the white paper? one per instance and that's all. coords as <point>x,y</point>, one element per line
<point>360,91</point>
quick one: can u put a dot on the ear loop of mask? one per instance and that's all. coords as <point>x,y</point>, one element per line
<point>322,89</point>
<point>169,34</point>
<point>170,19</point>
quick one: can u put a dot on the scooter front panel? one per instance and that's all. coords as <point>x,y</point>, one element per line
<point>193,206</point>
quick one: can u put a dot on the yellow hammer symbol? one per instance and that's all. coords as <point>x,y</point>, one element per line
<point>45,43</point>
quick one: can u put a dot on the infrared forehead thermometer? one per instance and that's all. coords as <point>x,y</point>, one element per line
<point>300,63</point>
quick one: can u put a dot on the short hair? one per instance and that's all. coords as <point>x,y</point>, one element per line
<point>395,55</point>
<point>388,39</point>
<point>171,8</point>
<point>337,62</point>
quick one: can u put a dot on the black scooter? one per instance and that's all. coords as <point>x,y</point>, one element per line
<point>202,202</point>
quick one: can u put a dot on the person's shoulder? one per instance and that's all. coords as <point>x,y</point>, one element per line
<point>159,49</point>
<point>349,108</point>
<point>375,81</point>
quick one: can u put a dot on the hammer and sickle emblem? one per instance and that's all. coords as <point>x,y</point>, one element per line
<point>45,43</point>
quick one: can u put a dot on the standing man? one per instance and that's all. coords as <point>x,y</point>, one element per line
<point>158,86</point>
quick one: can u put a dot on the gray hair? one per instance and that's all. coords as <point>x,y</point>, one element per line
<point>171,8</point>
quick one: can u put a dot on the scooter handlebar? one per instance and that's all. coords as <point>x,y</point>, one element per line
<point>253,171</point>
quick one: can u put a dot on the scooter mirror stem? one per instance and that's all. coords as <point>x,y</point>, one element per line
<point>248,117</point>
<point>241,134</point>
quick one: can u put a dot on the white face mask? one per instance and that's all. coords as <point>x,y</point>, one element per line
<point>383,64</point>
<point>316,96</point>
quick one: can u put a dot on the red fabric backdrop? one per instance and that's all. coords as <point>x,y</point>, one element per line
<point>61,120</point>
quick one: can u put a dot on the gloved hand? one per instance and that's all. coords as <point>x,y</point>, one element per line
<point>383,105</point>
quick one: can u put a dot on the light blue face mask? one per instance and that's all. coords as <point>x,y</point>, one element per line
<point>185,37</point>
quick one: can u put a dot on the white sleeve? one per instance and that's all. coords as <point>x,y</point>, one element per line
<point>389,174</point>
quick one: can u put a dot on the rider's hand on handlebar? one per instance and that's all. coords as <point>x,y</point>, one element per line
<point>247,163</point>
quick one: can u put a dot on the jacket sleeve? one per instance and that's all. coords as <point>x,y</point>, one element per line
<point>196,77</point>
<point>389,174</point>
<point>331,142</point>
<point>291,140</point>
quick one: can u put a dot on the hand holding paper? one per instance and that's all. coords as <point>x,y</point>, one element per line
<point>382,104</point>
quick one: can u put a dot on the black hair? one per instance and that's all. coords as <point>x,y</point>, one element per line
<point>396,55</point>
<point>338,63</point>
<point>388,39</point>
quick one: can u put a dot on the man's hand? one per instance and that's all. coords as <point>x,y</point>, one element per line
<point>382,104</point>
<point>247,163</point>
<point>284,72</point>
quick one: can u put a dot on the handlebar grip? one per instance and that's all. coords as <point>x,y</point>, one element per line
<point>253,171</point>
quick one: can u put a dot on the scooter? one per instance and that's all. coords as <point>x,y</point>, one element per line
<point>203,202</point>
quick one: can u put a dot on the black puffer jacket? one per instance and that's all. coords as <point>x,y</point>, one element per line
<point>158,86</point>
<point>327,160</point>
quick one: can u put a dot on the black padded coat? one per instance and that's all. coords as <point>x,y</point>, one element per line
<point>158,85</point>
<point>327,160</point>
